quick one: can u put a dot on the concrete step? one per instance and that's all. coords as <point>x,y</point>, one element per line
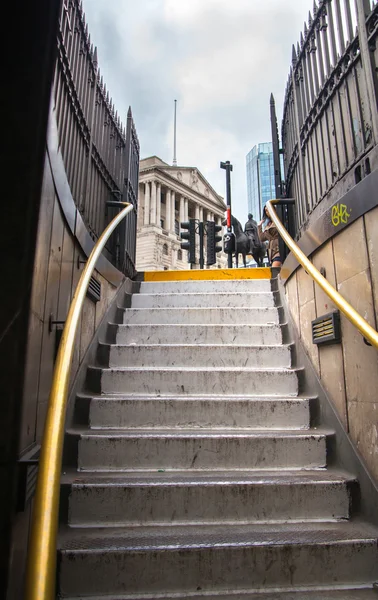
<point>210,316</point>
<point>194,381</point>
<point>212,287</point>
<point>196,411</point>
<point>202,334</point>
<point>142,449</point>
<point>110,500</point>
<point>204,300</point>
<point>320,593</point>
<point>196,355</point>
<point>215,558</point>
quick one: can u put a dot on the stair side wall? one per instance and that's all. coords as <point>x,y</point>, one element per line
<point>348,371</point>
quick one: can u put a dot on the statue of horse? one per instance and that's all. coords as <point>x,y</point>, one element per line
<point>243,244</point>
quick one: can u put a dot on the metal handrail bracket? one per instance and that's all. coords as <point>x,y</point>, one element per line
<point>368,332</point>
<point>41,563</point>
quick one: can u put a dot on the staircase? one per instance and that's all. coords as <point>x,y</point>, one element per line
<point>199,474</point>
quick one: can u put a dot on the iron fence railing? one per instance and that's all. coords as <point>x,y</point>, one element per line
<point>330,101</point>
<point>100,154</point>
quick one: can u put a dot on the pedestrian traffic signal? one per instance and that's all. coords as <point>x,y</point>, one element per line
<point>212,242</point>
<point>189,235</point>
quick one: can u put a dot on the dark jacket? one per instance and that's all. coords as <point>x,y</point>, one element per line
<point>270,235</point>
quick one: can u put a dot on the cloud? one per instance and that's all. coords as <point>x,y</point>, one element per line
<point>221,60</point>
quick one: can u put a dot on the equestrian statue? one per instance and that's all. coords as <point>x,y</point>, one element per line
<point>248,241</point>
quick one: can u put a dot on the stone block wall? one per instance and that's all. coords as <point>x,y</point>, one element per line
<point>348,371</point>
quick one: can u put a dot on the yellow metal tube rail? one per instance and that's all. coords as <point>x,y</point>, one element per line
<point>354,317</point>
<point>41,565</point>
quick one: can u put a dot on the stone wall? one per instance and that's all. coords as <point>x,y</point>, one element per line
<point>55,277</point>
<point>348,371</point>
<point>56,274</point>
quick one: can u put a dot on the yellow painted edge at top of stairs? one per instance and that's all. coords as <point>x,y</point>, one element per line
<point>208,274</point>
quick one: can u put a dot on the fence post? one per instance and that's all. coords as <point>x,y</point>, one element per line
<point>368,63</point>
<point>302,201</point>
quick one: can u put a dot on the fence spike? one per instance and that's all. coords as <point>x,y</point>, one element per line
<point>305,31</point>
<point>294,56</point>
<point>309,20</point>
<point>302,41</point>
<point>298,49</point>
<point>315,9</point>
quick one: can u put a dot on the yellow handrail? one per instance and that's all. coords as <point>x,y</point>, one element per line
<point>354,317</point>
<point>41,564</point>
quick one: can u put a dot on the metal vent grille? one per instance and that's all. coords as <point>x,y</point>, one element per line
<point>94,290</point>
<point>326,329</point>
<point>27,479</point>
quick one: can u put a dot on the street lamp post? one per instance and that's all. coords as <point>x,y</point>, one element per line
<point>228,168</point>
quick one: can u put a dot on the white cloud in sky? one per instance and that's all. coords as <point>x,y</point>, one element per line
<point>220,59</point>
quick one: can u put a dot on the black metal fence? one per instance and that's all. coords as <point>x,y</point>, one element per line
<point>100,154</point>
<point>330,111</point>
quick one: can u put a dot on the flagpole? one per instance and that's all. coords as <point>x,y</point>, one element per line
<point>174,138</point>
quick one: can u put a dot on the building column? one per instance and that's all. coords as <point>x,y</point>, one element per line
<point>197,212</point>
<point>153,203</point>
<point>158,204</point>
<point>182,209</point>
<point>168,210</point>
<point>186,209</point>
<point>173,213</point>
<point>201,214</point>
<point>146,203</point>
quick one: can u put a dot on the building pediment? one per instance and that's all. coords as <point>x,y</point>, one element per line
<point>187,177</point>
<point>193,178</point>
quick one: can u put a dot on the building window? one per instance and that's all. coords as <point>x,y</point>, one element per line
<point>179,254</point>
<point>162,223</point>
<point>177,228</point>
<point>165,249</point>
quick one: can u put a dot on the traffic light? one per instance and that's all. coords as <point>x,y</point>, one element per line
<point>189,235</point>
<point>212,241</point>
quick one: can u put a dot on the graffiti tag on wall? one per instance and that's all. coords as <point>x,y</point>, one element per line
<point>340,214</point>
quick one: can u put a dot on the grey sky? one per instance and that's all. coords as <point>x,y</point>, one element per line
<point>220,59</point>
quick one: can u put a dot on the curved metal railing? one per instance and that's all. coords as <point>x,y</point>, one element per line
<point>41,565</point>
<point>354,317</point>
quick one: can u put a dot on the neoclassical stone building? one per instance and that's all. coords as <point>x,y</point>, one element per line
<point>167,196</point>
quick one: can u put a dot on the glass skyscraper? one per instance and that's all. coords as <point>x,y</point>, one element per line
<point>260,178</point>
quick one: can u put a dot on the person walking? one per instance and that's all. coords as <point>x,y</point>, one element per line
<point>270,235</point>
